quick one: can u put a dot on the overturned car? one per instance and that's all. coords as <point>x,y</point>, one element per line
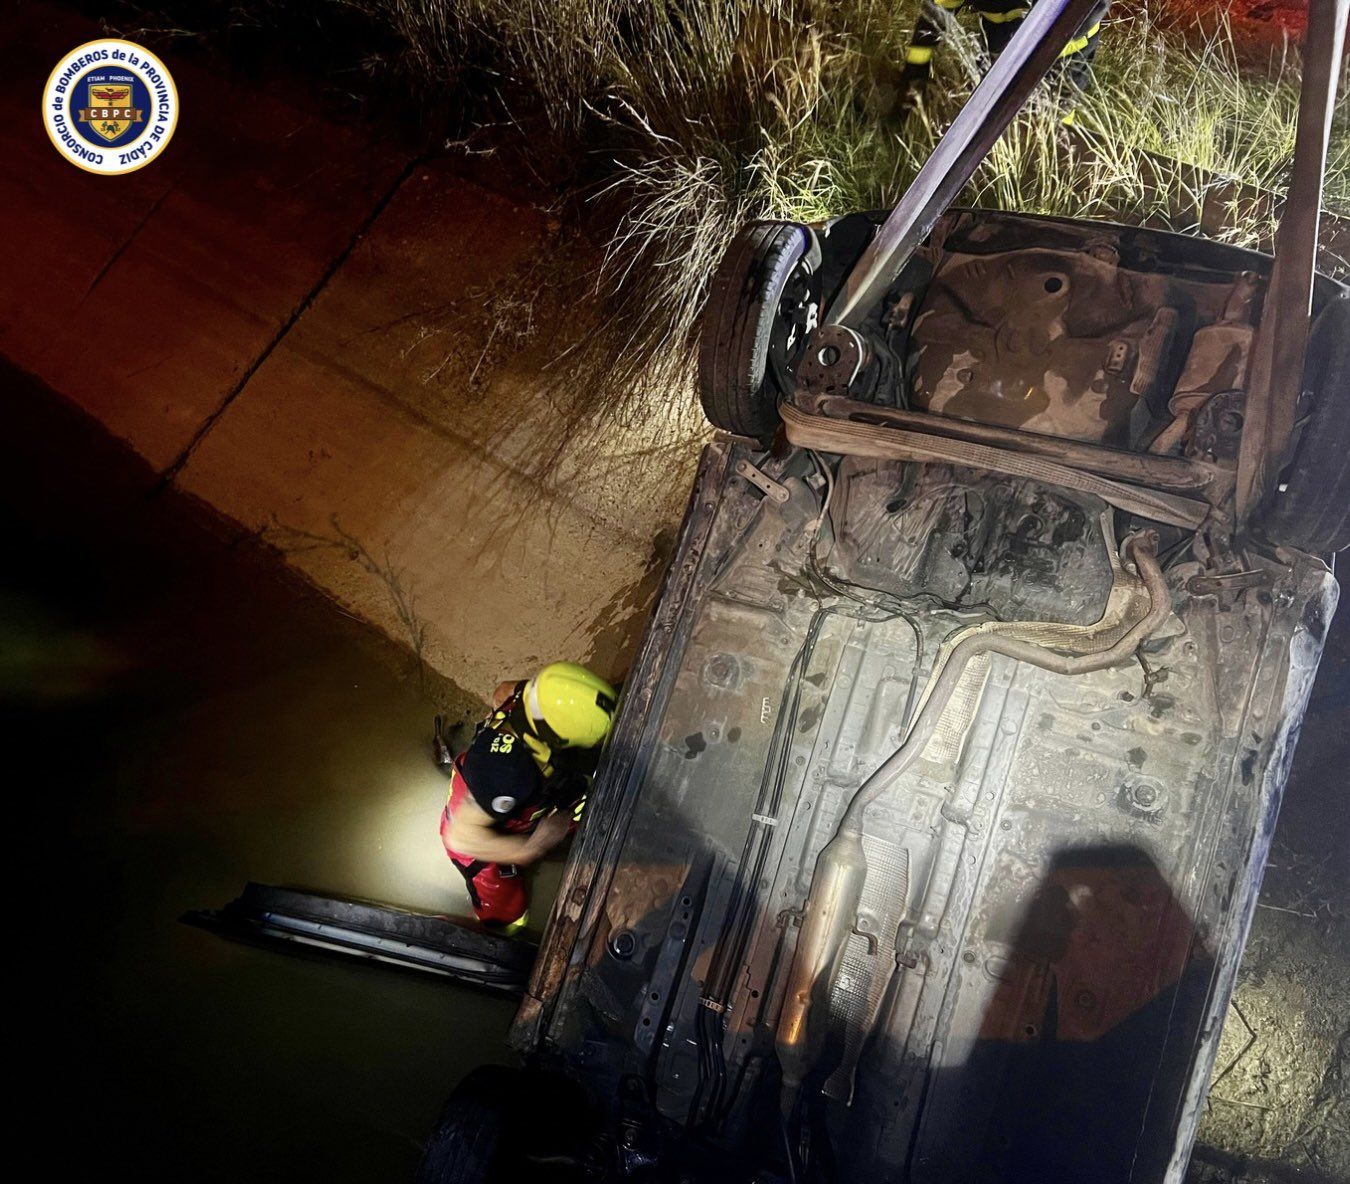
<point>930,832</point>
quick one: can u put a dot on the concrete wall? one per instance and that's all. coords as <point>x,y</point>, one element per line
<point>351,352</point>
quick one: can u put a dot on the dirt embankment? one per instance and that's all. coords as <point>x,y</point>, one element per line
<point>1279,1106</point>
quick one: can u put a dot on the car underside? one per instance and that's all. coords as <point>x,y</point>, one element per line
<point>931,827</point>
<point>1030,974</point>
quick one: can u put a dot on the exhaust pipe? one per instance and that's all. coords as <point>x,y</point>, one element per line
<point>831,910</point>
<point>831,914</point>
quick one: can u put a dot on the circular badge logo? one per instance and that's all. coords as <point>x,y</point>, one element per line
<point>110,106</point>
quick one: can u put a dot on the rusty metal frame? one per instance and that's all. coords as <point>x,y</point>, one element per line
<point>1174,473</point>
<point>1282,340</point>
<point>847,438</point>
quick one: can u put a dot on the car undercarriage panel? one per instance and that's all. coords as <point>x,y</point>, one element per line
<point>1046,341</point>
<point>1057,892</point>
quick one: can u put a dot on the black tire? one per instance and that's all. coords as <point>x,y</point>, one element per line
<point>1312,511</point>
<point>467,1145</point>
<point>506,1125</point>
<point>746,318</point>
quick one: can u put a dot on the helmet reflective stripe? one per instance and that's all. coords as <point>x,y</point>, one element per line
<point>532,708</point>
<point>568,706</point>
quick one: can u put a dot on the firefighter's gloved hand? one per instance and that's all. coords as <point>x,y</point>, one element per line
<point>569,786</point>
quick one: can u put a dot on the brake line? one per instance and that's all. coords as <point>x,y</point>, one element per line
<point>734,935</point>
<point>881,607</point>
<point>710,1029</point>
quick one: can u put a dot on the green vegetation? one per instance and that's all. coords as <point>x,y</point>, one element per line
<point>702,114</point>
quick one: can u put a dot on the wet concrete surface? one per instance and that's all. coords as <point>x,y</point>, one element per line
<point>257,197</point>
<point>182,717</point>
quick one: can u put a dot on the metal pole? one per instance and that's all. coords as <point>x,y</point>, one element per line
<point>1277,363</point>
<point>1034,48</point>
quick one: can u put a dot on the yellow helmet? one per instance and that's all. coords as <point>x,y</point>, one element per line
<point>569,707</point>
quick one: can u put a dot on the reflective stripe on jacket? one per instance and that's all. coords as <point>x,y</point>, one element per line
<point>999,20</point>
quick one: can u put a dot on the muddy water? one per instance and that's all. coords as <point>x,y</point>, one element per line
<point>181,720</point>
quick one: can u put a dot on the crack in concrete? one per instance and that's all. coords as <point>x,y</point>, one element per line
<point>170,473</point>
<point>132,237</point>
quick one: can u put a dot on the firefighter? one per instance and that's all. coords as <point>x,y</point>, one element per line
<point>519,788</point>
<point>999,20</point>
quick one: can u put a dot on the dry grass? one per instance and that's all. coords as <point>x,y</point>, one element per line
<point>713,112</point>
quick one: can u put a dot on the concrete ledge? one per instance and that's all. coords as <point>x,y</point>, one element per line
<point>293,324</point>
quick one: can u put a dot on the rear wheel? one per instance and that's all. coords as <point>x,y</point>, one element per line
<point>503,1125</point>
<point>761,305</point>
<point>1312,509</point>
